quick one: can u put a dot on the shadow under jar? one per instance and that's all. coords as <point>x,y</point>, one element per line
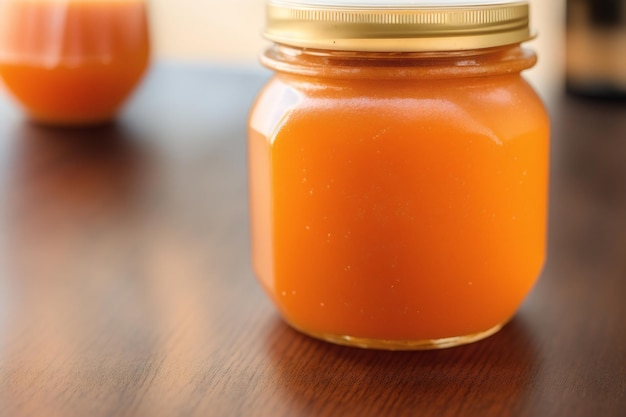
<point>398,170</point>
<point>73,62</point>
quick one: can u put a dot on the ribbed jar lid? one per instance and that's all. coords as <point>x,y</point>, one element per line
<point>397,25</point>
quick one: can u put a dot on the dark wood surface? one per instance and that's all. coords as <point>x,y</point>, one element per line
<point>126,287</point>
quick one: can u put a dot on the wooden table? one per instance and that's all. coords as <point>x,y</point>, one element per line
<point>126,287</point>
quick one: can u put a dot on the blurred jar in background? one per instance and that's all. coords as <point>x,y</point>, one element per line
<point>73,62</point>
<point>596,47</point>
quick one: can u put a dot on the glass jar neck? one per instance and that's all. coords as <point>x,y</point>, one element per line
<point>398,65</point>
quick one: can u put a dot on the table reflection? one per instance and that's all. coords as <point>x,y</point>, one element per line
<point>403,381</point>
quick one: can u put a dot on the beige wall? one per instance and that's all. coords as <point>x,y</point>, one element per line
<point>213,30</point>
<point>230,31</point>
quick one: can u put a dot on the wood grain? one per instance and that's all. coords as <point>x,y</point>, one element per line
<point>126,288</point>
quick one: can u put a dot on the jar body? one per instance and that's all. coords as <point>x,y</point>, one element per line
<point>398,208</point>
<point>73,62</point>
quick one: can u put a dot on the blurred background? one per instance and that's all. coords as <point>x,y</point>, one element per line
<point>229,32</point>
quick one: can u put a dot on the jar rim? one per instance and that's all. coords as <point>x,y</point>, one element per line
<point>398,26</point>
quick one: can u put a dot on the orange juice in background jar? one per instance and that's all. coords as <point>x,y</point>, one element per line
<point>73,62</point>
<point>398,170</point>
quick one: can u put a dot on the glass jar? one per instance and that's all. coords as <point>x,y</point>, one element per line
<point>398,170</point>
<point>72,62</point>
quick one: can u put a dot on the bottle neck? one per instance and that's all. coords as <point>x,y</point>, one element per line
<point>398,65</point>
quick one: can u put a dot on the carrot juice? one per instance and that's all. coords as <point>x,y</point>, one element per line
<point>73,62</point>
<point>398,201</point>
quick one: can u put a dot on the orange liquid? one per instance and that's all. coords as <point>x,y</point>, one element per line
<point>398,210</point>
<point>73,62</point>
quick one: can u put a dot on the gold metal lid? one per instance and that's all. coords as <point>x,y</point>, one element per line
<point>397,25</point>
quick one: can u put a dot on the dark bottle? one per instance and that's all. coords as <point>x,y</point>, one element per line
<point>596,48</point>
